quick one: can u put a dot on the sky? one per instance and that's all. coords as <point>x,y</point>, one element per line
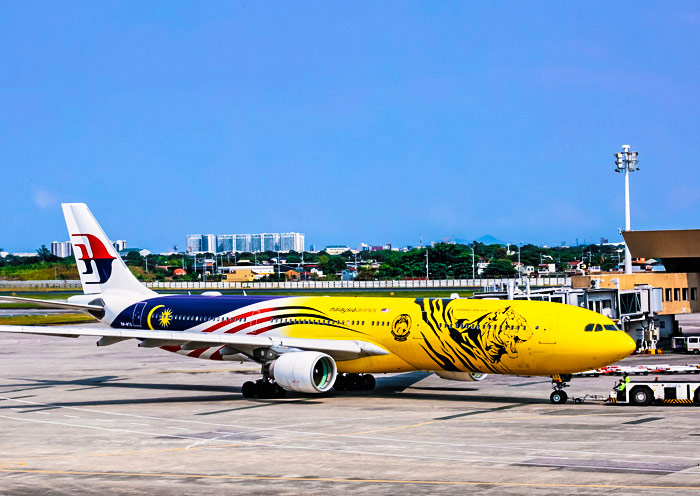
<point>351,122</point>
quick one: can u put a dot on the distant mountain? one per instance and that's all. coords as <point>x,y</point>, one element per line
<point>489,240</point>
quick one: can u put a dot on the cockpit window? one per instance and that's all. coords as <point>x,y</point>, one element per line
<point>611,327</point>
<point>589,327</point>
<point>598,328</point>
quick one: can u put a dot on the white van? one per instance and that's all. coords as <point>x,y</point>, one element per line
<point>688,344</point>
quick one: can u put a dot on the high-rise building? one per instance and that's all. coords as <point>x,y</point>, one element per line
<point>270,241</point>
<point>201,243</point>
<point>194,243</point>
<point>256,242</point>
<point>62,249</point>
<point>223,243</point>
<point>242,242</point>
<point>119,245</point>
<point>292,242</point>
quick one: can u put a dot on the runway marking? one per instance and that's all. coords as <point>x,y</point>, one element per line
<point>71,416</point>
<point>157,434</point>
<point>352,481</point>
<point>310,435</point>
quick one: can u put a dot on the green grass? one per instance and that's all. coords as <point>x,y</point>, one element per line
<point>64,318</point>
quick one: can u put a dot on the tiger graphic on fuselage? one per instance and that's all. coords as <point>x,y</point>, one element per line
<point>477,345</point>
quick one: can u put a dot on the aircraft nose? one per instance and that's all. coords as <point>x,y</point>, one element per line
<point>625,345</point>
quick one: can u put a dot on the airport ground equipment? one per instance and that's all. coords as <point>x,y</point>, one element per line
<point>644,393</point>
<point>686,344</point>
<point>660,368</point>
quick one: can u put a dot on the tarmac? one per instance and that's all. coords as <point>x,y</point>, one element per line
<point>75,418</point>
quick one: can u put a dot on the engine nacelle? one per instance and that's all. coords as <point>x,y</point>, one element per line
<point>304,371</point>
<point>461,376</point>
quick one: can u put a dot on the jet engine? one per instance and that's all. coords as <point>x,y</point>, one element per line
<point>304,371</point>
<point>461,376</point>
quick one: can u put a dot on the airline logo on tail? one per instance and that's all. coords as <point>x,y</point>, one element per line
<point>96,258</point>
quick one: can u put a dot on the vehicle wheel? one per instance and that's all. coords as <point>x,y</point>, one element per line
<point>249,389</point>
<point>641,396</point>
<point>368,382</point>
<point>578,401</point>
<point>696,352</point>
<point>558,397</point>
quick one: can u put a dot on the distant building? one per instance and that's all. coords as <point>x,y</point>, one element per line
<point>62,249</point>
<point>140,251</point>
<point>119,244</point>
<point>336,249</point>
<point>201,243</point>
<point>544,269</point>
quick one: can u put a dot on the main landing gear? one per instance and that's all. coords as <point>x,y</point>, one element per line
<point>355,382</point>
<point>559,382</point>
<point>262,388</point>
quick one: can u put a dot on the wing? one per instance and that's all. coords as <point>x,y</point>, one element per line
<point>338,349</point>
<point>53,304</point>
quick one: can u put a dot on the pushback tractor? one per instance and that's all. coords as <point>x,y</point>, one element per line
<point>645,393</point>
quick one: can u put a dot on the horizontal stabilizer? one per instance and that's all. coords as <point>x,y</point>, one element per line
<point>52,303</point>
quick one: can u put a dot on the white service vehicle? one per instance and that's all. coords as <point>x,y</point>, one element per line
<point>687,344</point>
<point>643,393</point>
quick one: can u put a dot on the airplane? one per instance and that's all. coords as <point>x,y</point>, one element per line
<point>310,344</point>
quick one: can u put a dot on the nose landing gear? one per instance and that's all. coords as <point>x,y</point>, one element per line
<point>559,382</point>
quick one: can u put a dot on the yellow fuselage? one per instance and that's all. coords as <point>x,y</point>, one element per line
<point>490,336</point>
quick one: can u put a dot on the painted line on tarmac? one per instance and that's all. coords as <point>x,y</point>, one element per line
<point>156,434</point>
<point>351,481</point>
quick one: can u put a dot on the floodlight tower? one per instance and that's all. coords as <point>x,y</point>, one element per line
<point>627,161</point>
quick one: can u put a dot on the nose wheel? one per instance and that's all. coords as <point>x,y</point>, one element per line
<point>559,382</point>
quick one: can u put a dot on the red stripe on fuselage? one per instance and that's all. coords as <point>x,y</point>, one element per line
<point>224,323</point>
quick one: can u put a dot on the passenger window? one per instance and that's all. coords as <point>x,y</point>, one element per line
<point>589,327</point>
<point>598,328</point>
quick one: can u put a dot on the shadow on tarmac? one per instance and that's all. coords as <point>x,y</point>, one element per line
<point>398,386</point>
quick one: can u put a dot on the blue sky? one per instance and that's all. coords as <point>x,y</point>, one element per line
<point>350,122</point>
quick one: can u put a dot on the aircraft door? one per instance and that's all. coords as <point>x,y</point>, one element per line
<point>138,314</point>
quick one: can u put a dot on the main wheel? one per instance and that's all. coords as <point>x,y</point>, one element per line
<point>341,383</point>
<point>280,392</point>
<point>354,382</point>
<point>249,389</point>
<point>558,397</point>
<point>368,382</point>
<point>641,396</point>
<point>268,389</point>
